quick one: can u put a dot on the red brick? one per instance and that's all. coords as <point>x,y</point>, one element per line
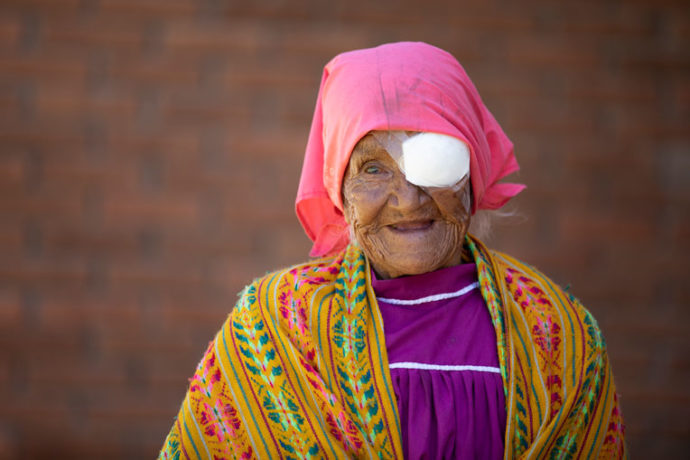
<point>149,8</point>
<point>10,29</point>
<point>156,71</point>
<point>41,207</point>
<point>553,52</point>
<point>119,211</point>
<point>11,239</point>
<point>252,75</point>
<point>68,102</point>
<point>45,5</point>
<point>129,142</point>
<point>67,66</point>
<point>114,33</point>
<point>609,227</point>
<point>40,136</point>
<point>11,171</point>
<point>324,40</point>
<point>242,37</point>
<point>48,273</point>
<point>10,312</point>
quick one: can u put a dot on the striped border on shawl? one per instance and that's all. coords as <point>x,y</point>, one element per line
<point>570,399</point>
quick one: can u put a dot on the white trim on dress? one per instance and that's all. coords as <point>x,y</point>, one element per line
<point>431,298</point>
<point>443,367</point>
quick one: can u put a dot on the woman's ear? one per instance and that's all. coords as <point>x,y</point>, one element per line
<point>347,210</point>
<point>353,237</point>
<point>343,198</point>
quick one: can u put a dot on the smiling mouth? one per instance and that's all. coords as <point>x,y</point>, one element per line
<point>412,226</point>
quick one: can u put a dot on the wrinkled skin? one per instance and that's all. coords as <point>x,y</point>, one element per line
<point>403,229</point>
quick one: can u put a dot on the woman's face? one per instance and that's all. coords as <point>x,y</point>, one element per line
<point>403,229</point>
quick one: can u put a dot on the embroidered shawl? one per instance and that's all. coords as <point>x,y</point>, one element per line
<point>299,370</point>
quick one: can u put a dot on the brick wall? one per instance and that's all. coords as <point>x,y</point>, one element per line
<point>149,157</point>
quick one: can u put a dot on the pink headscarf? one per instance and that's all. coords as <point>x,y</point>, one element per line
<point>397,86</point>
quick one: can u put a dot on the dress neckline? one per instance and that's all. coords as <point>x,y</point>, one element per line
<point>442,281</point>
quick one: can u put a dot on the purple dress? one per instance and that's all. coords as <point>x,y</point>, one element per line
<point>444,364</point>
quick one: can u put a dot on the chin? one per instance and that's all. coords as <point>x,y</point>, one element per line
<point>396,269</point>
<point>393,258</point>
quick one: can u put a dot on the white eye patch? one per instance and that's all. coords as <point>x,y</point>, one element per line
<point>434,160</point>
<point>427,159</point>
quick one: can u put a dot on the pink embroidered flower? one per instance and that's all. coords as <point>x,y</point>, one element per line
<point>219,420</point>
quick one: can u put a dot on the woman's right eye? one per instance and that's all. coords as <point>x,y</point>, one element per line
<point>372,168</point>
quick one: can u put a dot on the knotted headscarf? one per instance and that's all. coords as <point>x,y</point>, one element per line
<point>397,86</point>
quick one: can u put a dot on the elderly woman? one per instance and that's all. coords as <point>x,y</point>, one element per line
<point>406,337</point>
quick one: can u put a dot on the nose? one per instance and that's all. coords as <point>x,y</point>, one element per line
<point>405,196</point>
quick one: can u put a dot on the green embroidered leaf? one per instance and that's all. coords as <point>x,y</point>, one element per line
<point>522,426</point>
<point>247,353</point>
<point>275,417</point>
<point>373,409</point>
<point>253,369</point>
<point>353,409</point>
<point>343,375</point>
<point>519,392</point>
<point>268,403</point>
<point>369,394</point>
<point>287,447</point>
<point>241,338</point>
<point>520,408</point>
<point>346,389</point>
<point>523,443</point>
<point>291,405</point>
<point>378,427</point>
<point>299,420</point>
<point>276,371</point>
<point>359,345</point>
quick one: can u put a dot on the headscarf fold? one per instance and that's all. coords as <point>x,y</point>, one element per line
<point>398,86</point>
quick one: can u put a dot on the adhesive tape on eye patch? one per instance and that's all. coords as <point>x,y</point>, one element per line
<point>434,160</point>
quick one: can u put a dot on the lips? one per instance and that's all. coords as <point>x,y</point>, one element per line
<point>413,225</point>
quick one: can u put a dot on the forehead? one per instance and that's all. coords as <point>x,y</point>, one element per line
<point>367,144</point>
<point>368,148</point>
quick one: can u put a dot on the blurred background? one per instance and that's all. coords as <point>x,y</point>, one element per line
<point>149,157</point>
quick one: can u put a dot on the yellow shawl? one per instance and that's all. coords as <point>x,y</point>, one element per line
<point>299,370</point>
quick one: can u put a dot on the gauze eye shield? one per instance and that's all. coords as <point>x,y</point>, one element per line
<point>437,163</point>
<point>428,160</point>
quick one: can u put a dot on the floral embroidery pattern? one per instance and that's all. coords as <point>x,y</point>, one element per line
<point>267,375</point>
<point>545,331</point>
<point>298,370</point>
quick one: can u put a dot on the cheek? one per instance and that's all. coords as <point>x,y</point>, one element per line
<point>454,206</point>
<point>363,204</point>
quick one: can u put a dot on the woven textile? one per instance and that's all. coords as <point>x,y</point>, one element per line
<point>299,370</point>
